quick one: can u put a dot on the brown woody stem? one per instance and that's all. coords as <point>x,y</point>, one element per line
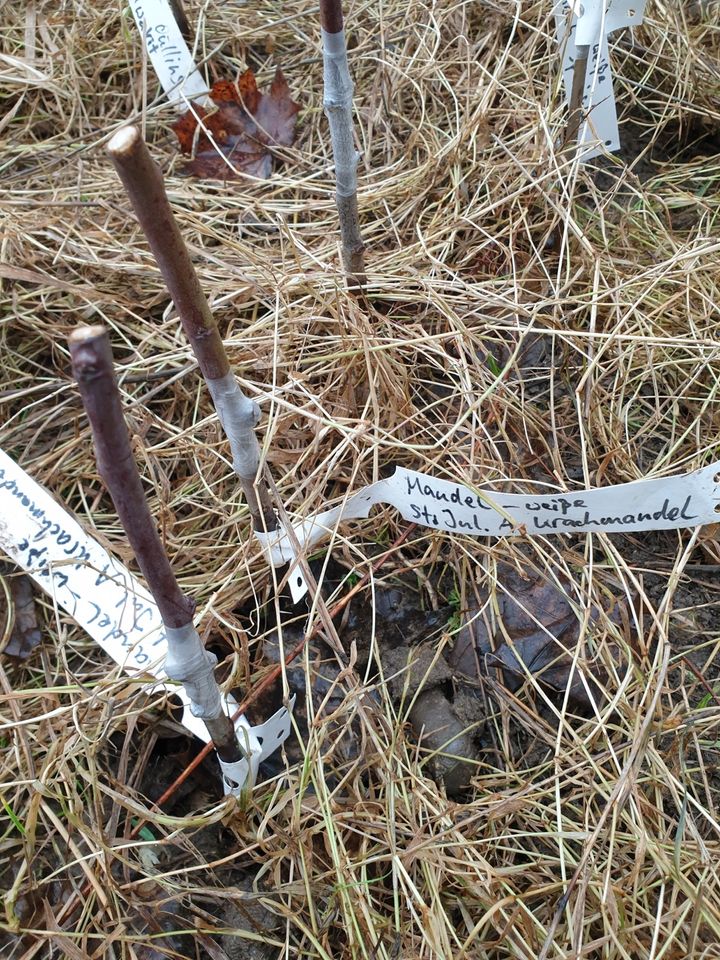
<point>92,365</point>
<point>331,16</point>
<point>337,101</point>
<point>353,248</point>
<point>144,184</point>
<point>181,19</point>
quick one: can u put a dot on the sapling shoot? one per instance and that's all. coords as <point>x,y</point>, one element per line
<point>337,101</point>
<point>187,660</point>
<point>238,415</point>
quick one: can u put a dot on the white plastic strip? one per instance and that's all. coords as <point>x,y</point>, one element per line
<point>168,52</point>
<point>239,416</point>
<point>259,743</point>
<point>589,26</point>
<point>689,500</point>
<point>95,588</point>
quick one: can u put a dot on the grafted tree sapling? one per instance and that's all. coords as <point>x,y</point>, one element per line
<point>187,660</point>
<point>238,414</point>
<point>337,100</point>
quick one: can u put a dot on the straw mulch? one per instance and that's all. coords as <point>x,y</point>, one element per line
<point>529,321</point>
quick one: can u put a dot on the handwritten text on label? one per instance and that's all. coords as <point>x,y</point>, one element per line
<point>665,503</point>
<point>98,592</point>
<point>168,52</point>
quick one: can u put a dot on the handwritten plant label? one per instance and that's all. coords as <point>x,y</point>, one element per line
<point>104,598</point>
<point>690,500</point>
<point>587,23</point>
<point>168,52</point>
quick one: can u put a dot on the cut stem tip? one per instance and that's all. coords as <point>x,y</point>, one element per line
<point>124,142</point>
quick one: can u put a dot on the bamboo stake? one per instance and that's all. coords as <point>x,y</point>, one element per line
<point>238,414</point>
<point>187,660</point>
<point>337,100</point>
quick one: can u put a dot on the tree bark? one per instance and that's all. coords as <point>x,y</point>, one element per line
<point>92,366</point>
<point>331,16</point>
<point>144,185</point>
<point>575,106</point>
<point>238,414</point>
<point>181,19</point>
<point>187,660</point>
<point>337,100</point>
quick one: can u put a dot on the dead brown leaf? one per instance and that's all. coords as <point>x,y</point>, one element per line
<point>534,633</point>
<point>240,134</point>
<point>24,634</point>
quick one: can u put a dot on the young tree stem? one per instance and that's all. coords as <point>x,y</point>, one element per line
<point>238,414</point>
<point>337,100</point>
<point>144,185</point>
<point>331,16</point>
<point>187,660</point>
<point>178,11</point>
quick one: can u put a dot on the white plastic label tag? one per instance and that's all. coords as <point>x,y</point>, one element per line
<point>168,52</point>
<point>618,14</point>
<point>259,743</point>
<point>689,500</point>
<point>95,588</point>
<point>588,23</point>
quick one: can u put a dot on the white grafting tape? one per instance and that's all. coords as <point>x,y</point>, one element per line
<point>239,416</point>
<point>337,101</point>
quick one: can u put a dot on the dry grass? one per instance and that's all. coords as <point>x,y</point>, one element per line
<point>460,191</point>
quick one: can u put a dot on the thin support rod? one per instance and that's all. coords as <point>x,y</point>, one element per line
<point>575,107</point>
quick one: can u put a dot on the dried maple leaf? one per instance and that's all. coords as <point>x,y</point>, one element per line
<point>239,135</point>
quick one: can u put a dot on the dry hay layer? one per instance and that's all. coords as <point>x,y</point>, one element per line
<point>528,321</point>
